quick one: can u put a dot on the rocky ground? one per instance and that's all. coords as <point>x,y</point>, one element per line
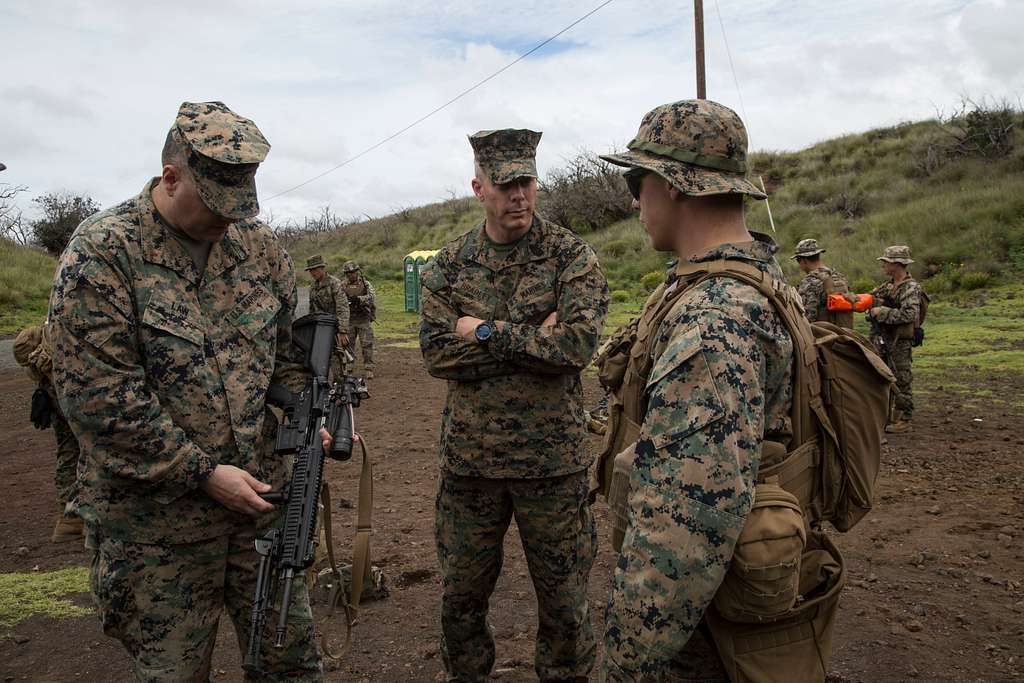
<point>935,572</point>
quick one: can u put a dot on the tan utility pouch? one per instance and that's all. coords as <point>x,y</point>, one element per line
<point>798,645</point>
<point>763,581</point>
<point>618,490</point>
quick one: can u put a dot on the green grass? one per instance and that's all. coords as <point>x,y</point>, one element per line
<point>23,595</point>
<point>26,276</point>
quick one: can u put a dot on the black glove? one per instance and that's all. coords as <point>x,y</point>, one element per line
<point>42,409</point>
<point>918,336</point>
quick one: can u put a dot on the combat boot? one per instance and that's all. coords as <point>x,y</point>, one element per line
<point>67,529</point>
<point>898,427</point>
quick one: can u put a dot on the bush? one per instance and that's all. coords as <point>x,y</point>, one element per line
<point>617,248</point>
<point>650,281</point>
<point>620,295</point>
<point>62,212</point>
<point>587,194</point>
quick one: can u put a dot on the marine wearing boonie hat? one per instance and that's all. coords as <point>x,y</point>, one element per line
<point>506,154</point>
<point>807,248</point>
<point>699,146</point>
<point>897,254</point>
<point>316,261</point>
<point>225,150</point>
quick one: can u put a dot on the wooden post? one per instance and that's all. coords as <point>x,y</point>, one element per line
<point>698,29</point>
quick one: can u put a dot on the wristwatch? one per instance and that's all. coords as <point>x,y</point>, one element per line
<point>483,331</point>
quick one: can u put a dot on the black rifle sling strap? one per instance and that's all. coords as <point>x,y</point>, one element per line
<point>360,571</point>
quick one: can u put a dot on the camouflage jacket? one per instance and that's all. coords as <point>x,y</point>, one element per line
<point>812,290</point>
<point>515,403</point>
<point>163,372</point>
<point>328,296</point>
<point>900,304</point>
<point>720,383</point>
<point>363,300</point>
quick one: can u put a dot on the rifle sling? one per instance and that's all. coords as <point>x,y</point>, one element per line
<point>360,555</point>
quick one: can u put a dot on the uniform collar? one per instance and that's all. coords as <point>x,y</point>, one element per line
<point>531,247</point>
<point>160,247</point>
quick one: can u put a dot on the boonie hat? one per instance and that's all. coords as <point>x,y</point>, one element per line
<point>807,248</point>
<point>897,254</point>
<point>350,266</point>
<point>316,261</point>
<point>506,154</point>
<point>699,146</point>
<point>225,150</point>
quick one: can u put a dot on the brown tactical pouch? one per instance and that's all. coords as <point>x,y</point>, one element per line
<point>763,581</point>
<point>618,489</point>
<point>798,645</point>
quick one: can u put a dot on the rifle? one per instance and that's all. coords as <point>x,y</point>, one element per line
<point>878,334</point>
<point>290,548</point>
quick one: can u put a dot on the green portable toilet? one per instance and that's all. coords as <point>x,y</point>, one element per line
<point>413,263</point>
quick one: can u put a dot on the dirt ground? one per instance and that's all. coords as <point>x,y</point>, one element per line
<point>935,572</point>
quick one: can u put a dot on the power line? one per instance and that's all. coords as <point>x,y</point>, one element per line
<point>732,67</point>
<point>446,104</point>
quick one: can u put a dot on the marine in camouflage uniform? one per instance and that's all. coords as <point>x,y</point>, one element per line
<point>362,299</point>
<point>818,282</point>
<point>893,330</point>
<point>512,312</point>
<point>32,350</point>
<point>717,383</point>
<point>327,295</point>
<point>172,314</point>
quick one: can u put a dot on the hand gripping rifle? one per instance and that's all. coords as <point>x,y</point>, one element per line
<point>290,548</point>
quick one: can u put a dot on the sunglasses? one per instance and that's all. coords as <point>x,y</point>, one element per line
<point>634,177</point>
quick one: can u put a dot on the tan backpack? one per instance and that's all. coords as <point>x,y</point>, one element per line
<point>772,617</point>
<point>833,286</point>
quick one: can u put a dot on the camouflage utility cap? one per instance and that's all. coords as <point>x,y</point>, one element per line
<point>316,261</point>
<point>506,154</point>
<point>699,146</point>
<point>350,267</point>
<point>225,150</point>
<point>897,254</point>
<point>807,248</point>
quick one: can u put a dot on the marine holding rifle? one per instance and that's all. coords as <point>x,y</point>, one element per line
<point>172,316</point>
<point>896,329</point>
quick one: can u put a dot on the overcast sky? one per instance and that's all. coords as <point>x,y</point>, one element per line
<point>90,88</point>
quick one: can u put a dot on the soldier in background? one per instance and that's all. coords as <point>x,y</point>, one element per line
<point>512,312</point>
<point>362,301</point>
<point>327,295</point>
<point>820,281</point>
<point>895,321</point>
<point>172,315</point>
<point>32,350</point>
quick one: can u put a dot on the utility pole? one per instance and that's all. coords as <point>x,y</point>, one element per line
<point>698,30</point>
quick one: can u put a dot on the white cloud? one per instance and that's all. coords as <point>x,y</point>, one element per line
<point>90,88</point>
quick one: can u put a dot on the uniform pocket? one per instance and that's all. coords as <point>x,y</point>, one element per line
<point>110,581</point>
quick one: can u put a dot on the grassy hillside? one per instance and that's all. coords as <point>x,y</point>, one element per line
<point>962,215</point>
<point>25,278</point>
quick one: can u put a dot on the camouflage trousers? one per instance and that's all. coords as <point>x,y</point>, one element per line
<point>361,332</point>
<point>163,602</point>
<point>559,540</point>
<point>66,473</point>
<point>899,358</point>
<point>699,662</point>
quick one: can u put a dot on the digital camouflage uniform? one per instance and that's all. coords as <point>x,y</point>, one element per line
<point>328,296</point>
<point>512,431</point>
<point>32,351</point>
<point>719,384</point>
<point>893,336</point>
<point>813,291</point>
<point>362,300</point>
<point>163,371</point>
